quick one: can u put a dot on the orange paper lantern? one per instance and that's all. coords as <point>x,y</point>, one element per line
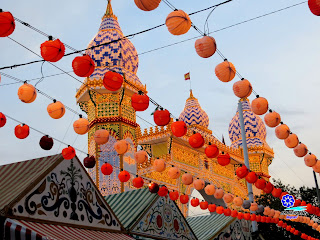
<point>27,93</point>
<point>101,136</point>
<point>218,193</point>
<point>242,89</point>
<point>260,105</point>
<point>68,153</point>
<point>282,131</point>
<point>210,189</point>
<point>179,128</point>
<point>138,182</point>
<point>7,24</point>
<point>124,176</point>
<point>316,167</point>
<point>206,46</point>
<point>301,150</point>
<point>112,81</point>
<point>121,147</point>
<point>56,109</point>
<point>292,141</point>
<point>174,173</point>
<point>81,126</point>
<point>159,165</point>
<point>147,5</point>
<point>228,198</point>
<point>272,119</point>
<point>238,201</point>
<point>198,184</point>
<point>225,71</point>
<point>310,160</point>
<point>178,22</point>
<point>211,151</point>
<point>161,117</point>
<point>52,51</point>
<point>254,207</point>
<point>196,140</point>
<point>83,66</point>
<point>106,169</point>
<point>141,156</point>
<point>140,102</point>
<point>187,179</point>
<point>22,131</point>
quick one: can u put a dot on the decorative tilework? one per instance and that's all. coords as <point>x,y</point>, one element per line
<point>193,114</point>
<point>254,126</point>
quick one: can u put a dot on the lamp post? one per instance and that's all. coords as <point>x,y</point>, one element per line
<point>317,187</point>
<point>246,157</point>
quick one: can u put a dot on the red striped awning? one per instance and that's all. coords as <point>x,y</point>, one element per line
<point>24,230</point>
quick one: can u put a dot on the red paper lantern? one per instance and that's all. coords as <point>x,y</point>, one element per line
<point>258,218</point>
<point>234,213</point>
<point>253,217</point>
<point>174,195</point>
<point>124,176</point>
<point>297,203</point>
<point>83,66</point>
<point>7,24</point>
<point>46,143</point>
<point>140,102</point>
<point>112,81</point>
<point>223,159</point>
<point>280,223</point>
<point>314,6</point>
<point>242,172</point>
<point>211,151</point>
<point>52,51</point>
<point>276,192</point>
<point>247,216</point>
<point>163,191</point>
<point>153,187</point>
<point>161,117</point>
<point>196,140</point>
<point>251,177</point>
<point>240,215</point>
<point>283,194</point>
<point>22,131</point>
<point>3,120</point>
<point>138,182</point>
<point>220,210</point>
<point>68,153</point>
<point>184,199</point>
<point>204,205</point>
<point>260,184</point>
<point>268,188</point>
<point>89,162</point>
<point>106,169</point>
<point>227,212</point>
<point>212,207</point>
<point>179,128</point>
<point>303,203</point>
<point>195,202</point>
<point>263,219</point>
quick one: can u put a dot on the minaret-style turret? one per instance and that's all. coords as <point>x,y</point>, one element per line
<point>111,110</point>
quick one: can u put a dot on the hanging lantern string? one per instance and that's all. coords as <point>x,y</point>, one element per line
<point>39,91</point>
<point>169,5</point>
<point>99,45</point>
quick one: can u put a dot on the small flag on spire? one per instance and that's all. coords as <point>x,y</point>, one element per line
<point>187,76</point>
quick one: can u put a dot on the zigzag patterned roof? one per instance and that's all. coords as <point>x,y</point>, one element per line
<point>254,126</point>
<point>120,56</point>
<point>193,114</point>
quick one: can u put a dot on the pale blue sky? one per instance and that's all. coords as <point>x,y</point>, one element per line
<point>277,53</point>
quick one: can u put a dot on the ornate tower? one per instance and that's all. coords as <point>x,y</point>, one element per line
<point>260,154</point>
<point>111,110</point>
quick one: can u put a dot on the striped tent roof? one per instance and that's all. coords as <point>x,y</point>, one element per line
<point>16,177</point>
<point>129,206</point>
<point>206,227</point>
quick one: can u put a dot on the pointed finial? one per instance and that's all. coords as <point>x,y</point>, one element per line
<point>109,11</point>
<point>191,94</point>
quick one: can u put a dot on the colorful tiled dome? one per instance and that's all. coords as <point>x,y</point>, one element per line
<point>193,114</point>
<point>254,126</point>
<point>120,56</point>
